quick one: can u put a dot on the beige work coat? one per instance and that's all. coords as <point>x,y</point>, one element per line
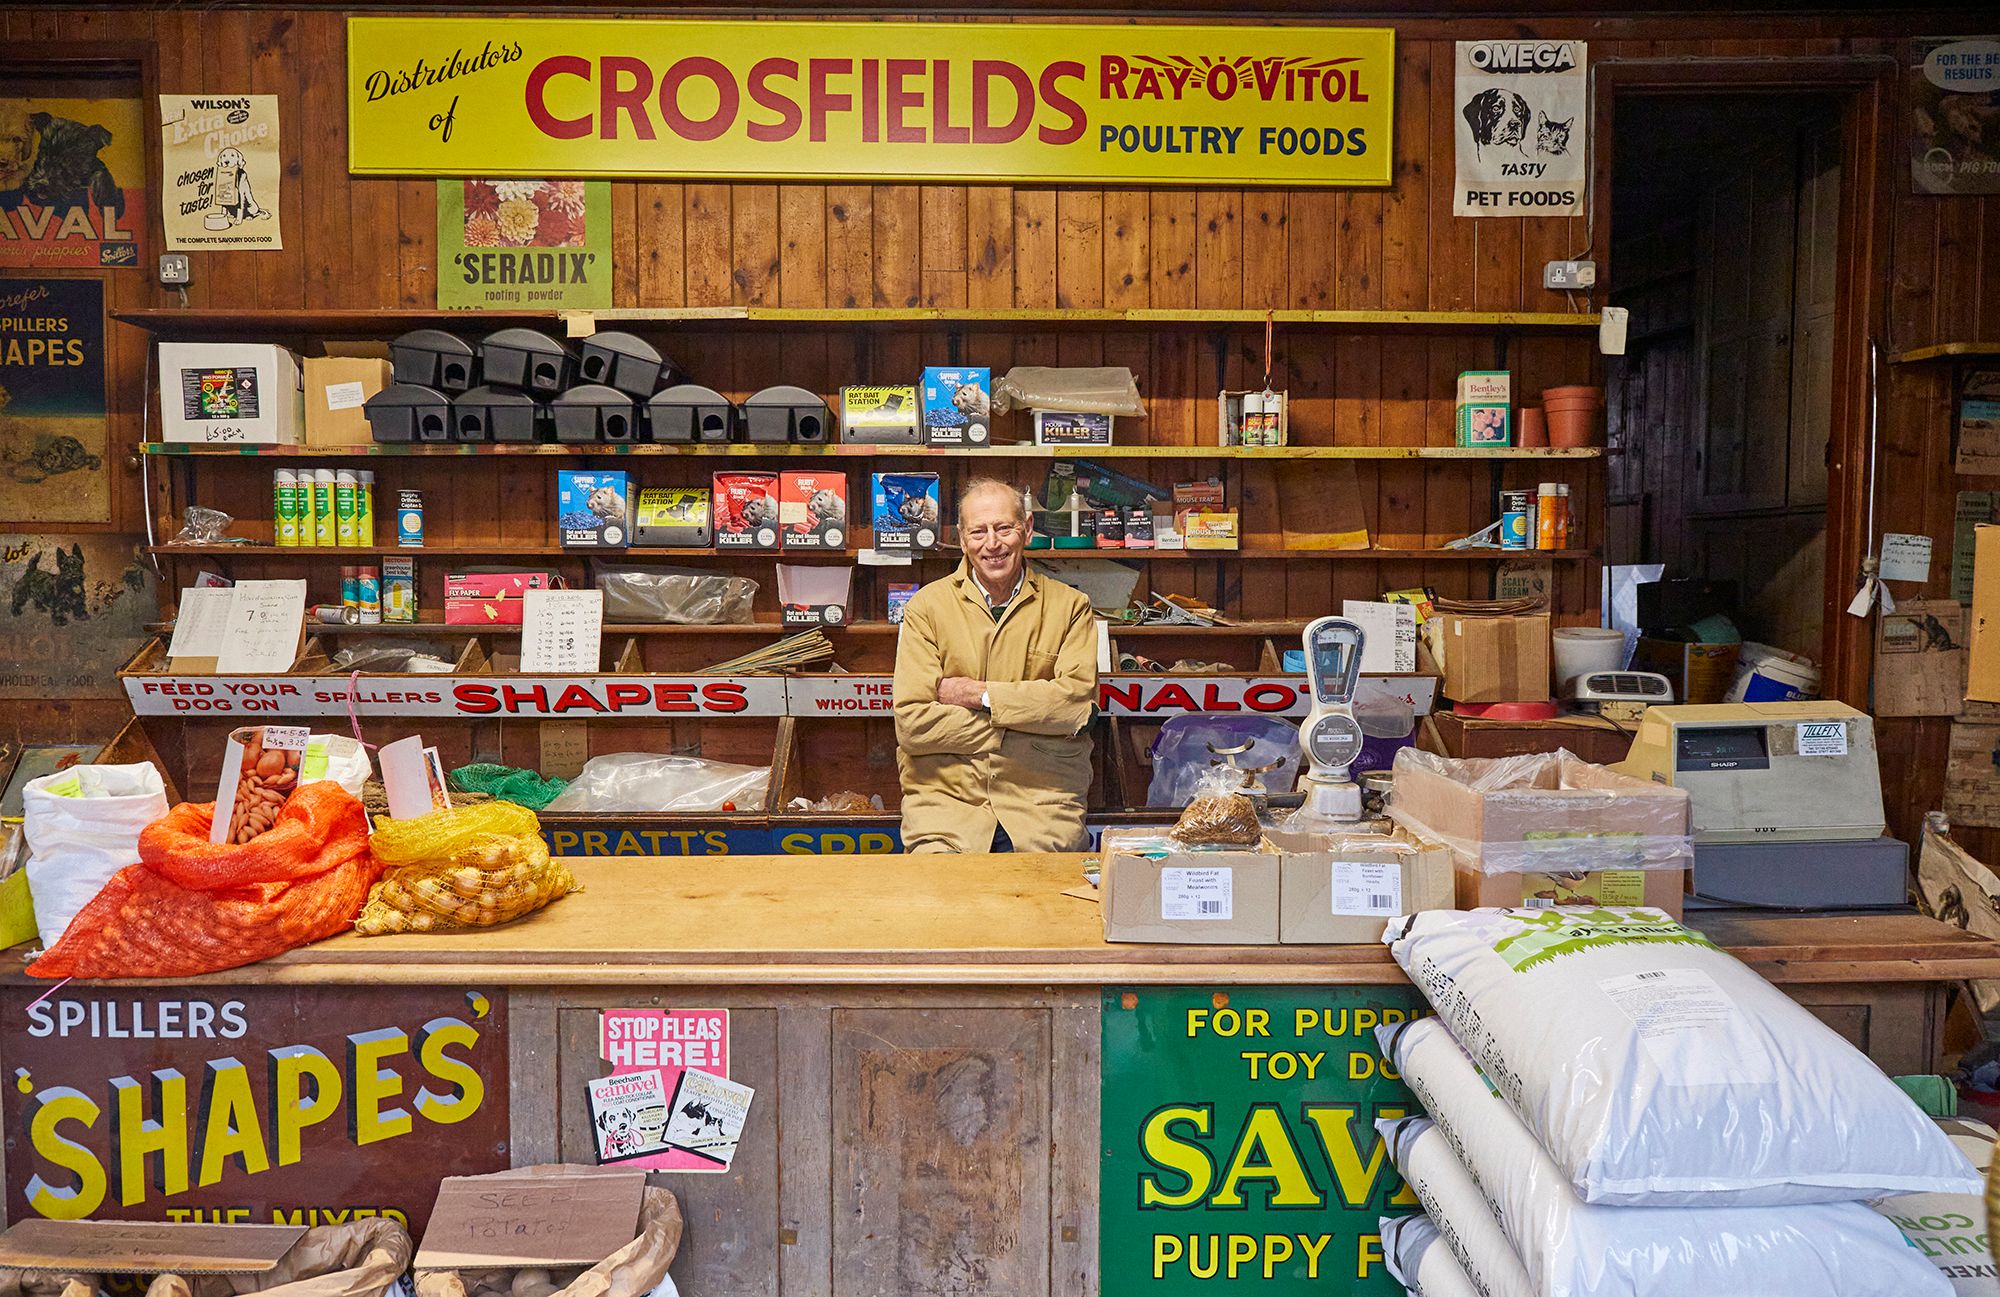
<point>1025,764</point>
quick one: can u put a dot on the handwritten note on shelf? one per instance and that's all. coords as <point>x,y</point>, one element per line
<point>562,631</point>
<point>201,628</point>
<point>266,624</point>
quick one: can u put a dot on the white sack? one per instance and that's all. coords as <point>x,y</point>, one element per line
<point>346,761</point>
<point>1572,1249</point>
<point>1452,1201</point>
<point>1658,1071</point>
<point>76,843</point>
<point>1949,1229</point>
<point>1419,1260</point>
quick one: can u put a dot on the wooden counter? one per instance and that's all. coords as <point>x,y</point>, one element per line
<point>969,920</point>
<point>927,1040</point>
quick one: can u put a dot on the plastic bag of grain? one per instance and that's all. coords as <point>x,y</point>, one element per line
<point>1451,1199</point>
<point>1949,1229</point>
<point>1418,1259</point>
<point>1658,1071</point>
<point>1572,1249</point>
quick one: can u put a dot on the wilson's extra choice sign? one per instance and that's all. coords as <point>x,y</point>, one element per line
<point>971,101</point>
<point>640,697</point>
<point>249,1105</point>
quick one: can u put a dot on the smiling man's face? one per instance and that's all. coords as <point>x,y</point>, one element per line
<point>993,529</point>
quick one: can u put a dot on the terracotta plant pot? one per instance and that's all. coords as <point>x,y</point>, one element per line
<point>1534,430</point>
<point>1572,415</point>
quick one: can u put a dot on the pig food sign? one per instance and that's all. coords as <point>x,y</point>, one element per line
<point>1238,1138</point>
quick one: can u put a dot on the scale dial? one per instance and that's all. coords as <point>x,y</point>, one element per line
<point>1333,741</point>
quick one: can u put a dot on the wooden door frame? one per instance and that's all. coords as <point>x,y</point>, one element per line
<point>1865,85</point>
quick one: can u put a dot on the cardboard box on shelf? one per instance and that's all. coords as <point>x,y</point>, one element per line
<point>1662,889</point>
<point>1493,659</point>
<point>337,385</point>
<point>1500,817</point>
<point>812,509</point>
<point>958,406</point>
<point>1342,889</point>
<point>1154,891</point>
<point>1982,683</point>
<point>488,598</point>
<point>230,393</point>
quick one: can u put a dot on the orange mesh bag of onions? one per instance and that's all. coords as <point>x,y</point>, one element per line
<point>191,906</point>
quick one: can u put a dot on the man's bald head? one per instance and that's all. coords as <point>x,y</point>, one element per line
<point>991,490</point>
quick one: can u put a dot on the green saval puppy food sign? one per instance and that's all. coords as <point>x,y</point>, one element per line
<point>1238,1140</point>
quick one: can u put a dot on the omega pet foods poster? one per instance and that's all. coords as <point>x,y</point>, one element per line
<point>1523,116</point>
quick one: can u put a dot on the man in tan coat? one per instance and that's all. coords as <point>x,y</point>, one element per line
<point>996,680</point>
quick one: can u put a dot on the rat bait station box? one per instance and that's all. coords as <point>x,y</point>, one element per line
<point>958,406</point>
<point>674,517</point>
<point>880,414</point>
<point>746,511</point>
<point>594,510</point>
<point>812,509</point>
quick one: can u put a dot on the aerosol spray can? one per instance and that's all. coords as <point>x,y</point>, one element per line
<point>350,589</point>
<point>371,595</point>
<point>346,507</point>
<point>364,513</point>
<point>1547,510</point>
<point>1565,528</point>
<point>285,507</point>
<point>325,528</point>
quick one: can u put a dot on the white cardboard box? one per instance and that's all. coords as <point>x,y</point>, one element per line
<point>230,393</point>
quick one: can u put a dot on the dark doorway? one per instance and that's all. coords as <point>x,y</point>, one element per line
<point>1726,212</point>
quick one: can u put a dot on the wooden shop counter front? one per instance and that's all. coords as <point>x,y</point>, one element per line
<point>959,1087</point>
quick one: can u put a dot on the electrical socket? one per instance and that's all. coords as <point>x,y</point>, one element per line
<point>174,269</point>
<point>1569,274</point>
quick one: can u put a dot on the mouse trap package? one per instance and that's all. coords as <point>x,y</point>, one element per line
<point>746,510</point>
<point>905,510</point>
<point>812,509</point>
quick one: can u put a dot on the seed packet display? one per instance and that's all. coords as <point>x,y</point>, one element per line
<point>812,509</point>
<point>958,406</point>
<point>594,510</point>
<point>746,510</point>
<point>905,510</point>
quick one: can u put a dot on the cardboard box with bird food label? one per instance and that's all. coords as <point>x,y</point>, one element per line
<point>594,510</point>
<point>812,509</point>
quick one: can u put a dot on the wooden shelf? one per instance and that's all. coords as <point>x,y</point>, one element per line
<point>754,450</point>
<point>771,628</point>
<point>1946,351</point>
<point>505,549</point>
<point>385,323</point>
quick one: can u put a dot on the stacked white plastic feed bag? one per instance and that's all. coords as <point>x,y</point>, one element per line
<point>1617,1108</point>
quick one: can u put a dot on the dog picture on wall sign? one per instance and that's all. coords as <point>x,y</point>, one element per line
<point>628,1114</point>
<point>72,182</point>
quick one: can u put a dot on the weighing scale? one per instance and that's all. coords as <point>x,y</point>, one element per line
<point>1329,734</point>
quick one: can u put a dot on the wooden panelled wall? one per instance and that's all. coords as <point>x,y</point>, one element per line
<point>370,243</point>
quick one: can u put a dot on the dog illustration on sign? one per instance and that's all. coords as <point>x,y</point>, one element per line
<point>234,199</point>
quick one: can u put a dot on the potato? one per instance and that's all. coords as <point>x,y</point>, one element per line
<point>526,1281</point>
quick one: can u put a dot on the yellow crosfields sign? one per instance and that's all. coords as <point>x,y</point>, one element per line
<point>836,100</point>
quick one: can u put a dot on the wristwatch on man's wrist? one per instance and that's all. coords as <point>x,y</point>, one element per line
<point>985,702</point>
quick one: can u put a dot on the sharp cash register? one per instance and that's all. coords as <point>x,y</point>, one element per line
<point>1787,802</point>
